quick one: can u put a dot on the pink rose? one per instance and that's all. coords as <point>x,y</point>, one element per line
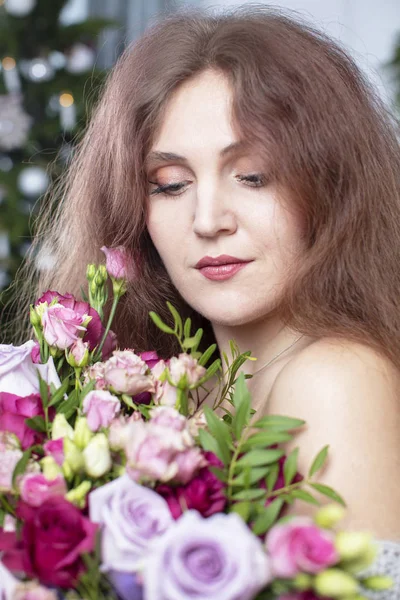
<point>96,372</point>
<point>55,448</point>
<point>35,488</point>
<point>165,394</point>
<point>166,416</point>
<point>300,546</point>
<point>100,407</point>
<point>62,326</point>
<point>185,370</point>
<point>19,374</point>
<point>204,493</point>
<point>156,453</point>
<point>118,432</point>
<point>94,329</point>
<point>14,410</point>
<point>119,263</point>
<point>151,358</point>
<point>125,373</point>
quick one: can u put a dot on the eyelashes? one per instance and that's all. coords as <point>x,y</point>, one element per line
<point>257,179</point>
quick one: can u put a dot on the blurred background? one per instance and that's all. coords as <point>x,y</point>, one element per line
<point>55,55</point>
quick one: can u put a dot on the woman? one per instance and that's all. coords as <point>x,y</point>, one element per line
<point>255,177</point>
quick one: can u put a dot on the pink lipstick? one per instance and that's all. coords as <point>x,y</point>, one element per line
<point>221,267</point>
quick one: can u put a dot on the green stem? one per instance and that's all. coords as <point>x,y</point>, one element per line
<point>232,467</point>
<point>110,320</point>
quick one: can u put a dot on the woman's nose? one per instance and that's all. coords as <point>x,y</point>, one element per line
<point>213,213</point>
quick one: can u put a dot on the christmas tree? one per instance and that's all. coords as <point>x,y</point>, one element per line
<point>48,84</point>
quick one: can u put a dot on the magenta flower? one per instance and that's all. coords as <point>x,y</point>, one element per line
<point>204,493</point>
<point>55,448</point>
<point>300,546</point>
<point>14,410</point>
<point>118,262</point>
<point>35,488</point>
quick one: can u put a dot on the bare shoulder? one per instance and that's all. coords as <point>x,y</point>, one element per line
<point>349,396</point>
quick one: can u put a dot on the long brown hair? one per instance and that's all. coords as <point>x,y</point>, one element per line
<point>330,139</point>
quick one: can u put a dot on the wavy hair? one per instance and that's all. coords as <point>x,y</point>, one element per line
<point>304,102</point>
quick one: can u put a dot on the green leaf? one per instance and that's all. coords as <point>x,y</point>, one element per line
<point>212,369</point>
<point>190,342</point>
<point>305,496</point>
<point>268,516</point>
<point>37,423</point>
<point>257,458</point>
<point>278,423</point>
<point>70,406</point>
<point>58,395</point>
<point>318,461</point>
<point>160,324</point>
<point>326,490</point>
<point>290,466</point>
<point>243,509</point>
<point>220,430</point>
<point>255,475</point>
<point>177,319</point>
<point>242,404</point>
<point>205,357</point>
<point>266,438</point>
<point>209,443</point>
<point>220,473</point>
<point>21,465</point>
<point>272,476</point>
<point>187,327</point>
<point>253,494</point>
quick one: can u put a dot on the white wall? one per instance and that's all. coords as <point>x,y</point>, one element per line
<point>367,28</point>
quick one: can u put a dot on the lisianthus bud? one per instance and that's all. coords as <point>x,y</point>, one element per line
<point>78,355</point>
<point>35,319</point>
<point>78,495</point>
<point>303,581</point>
<point>378,582</point>
<point>61,428</point>
<point>117,260</point>
<point>51,470</point>
<point>97,457</point>
<point>72,456</point>
<point>335,583</point>
<point>90,271</point>
<point>83,434</point>
<point>329,515</point>
<point>352,545</point>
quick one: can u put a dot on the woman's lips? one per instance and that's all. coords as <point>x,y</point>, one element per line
<point>222,272</point>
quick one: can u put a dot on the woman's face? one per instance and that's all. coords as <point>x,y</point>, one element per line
<point>222,206</point>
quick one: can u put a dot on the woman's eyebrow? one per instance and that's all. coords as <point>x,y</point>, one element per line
<point>158,157</point>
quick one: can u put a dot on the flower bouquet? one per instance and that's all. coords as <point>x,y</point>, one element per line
<point>119,478</point>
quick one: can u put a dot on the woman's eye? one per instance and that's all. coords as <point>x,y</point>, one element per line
<point>167,189</point>
<point>255,179</point>
<point>258,179</point>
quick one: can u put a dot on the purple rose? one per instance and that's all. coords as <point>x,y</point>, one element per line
<point>205,493</point>
<point>131,516</point>
<point>100,408</point>
<point>18,372</point>
<point>212,558</point>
